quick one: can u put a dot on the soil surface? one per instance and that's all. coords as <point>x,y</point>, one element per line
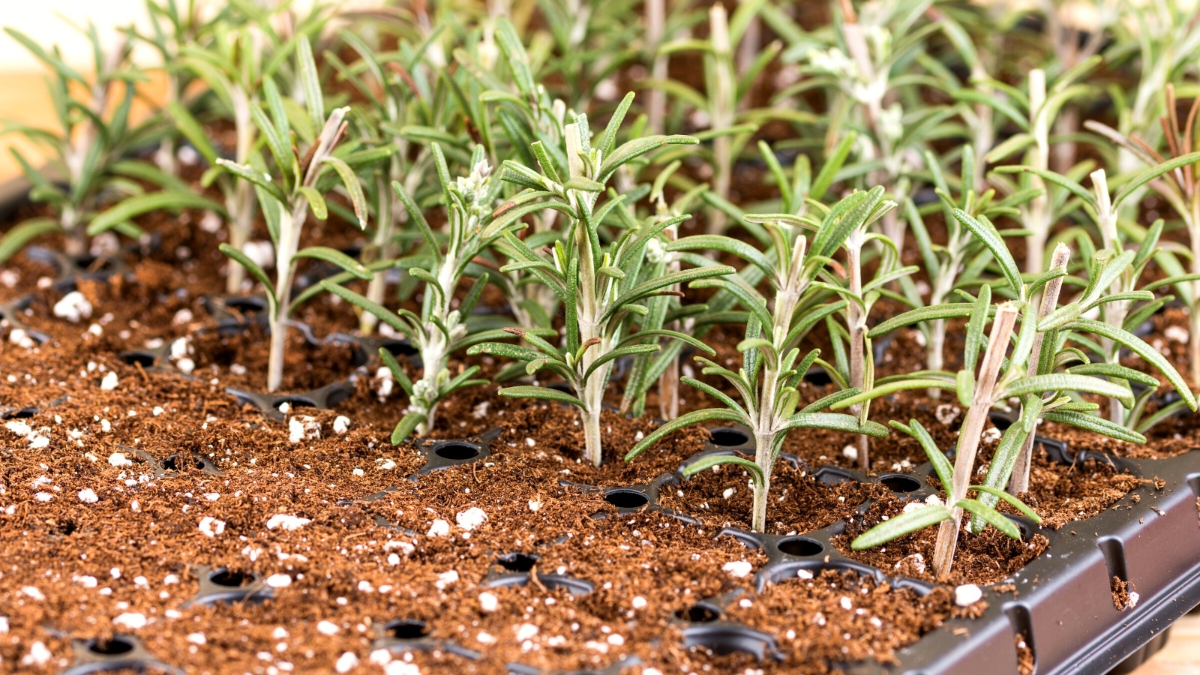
<point>116,495</point>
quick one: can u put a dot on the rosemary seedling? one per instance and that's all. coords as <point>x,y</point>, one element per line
<point>600,287</point>
<point>772,367</point>
<point>444,325</point>
<point>299,179</point>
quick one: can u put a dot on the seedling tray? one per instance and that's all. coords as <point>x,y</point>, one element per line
<point>1061,605</point>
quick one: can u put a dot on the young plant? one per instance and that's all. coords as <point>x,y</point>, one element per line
<point>232,70</point>
<point>726,90</point>
<point>771,364</point>
<point>980,393</point>
<point>444,326</point>
<point>868,66</point>
<point>400,105</point>
<point>959,261</point>
<point>598,285</point>
<point>665,311</point>
<point>1122,268</point>
<point>927,515</point>
<point>1174,179</point>
<point>1045,371</point>
<point>1035,112</point>
<point>89,165</point>
<point>299,178</point>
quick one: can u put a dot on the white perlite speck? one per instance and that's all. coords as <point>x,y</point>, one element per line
<point>488,602</point>
<point>131,620</point>
<point>639,602</point>
<point>1133,598</point>
<point>197,639</point>
<point>287,522</point>
<point>967,594</point>
<point>109,382</point>
<point>33,592</point>
<point>439,528</point>
<point>804,574</point>
<point>73,307</point>
<point>211,527</point>
<point>1176,334</point>
<point>446,578</point>
<point>946,413</point>
<point>534,505</point>
<point>327,628</point>
<point>471,518</point>
<point>738,569</point>
<point>279,581</point>
<point>38,655</point>
<point>88,496</point>
<point>341,425</point>
<point>526,631</point>
<point>346,662</point>
<point>850,452</point>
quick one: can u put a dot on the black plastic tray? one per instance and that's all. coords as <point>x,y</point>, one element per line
<point>1063,606</point>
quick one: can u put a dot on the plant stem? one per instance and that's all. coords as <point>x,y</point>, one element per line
<point>722,113</point>
<point>968,437</point>
<point>668,382</point>
<point>289,241</point>
<point>856,324</point>
<point>1039,216</point>
<point>1019,481</point>
<point>656,104</point>
<point>1194,333</point>
<point>589,307</point>
<point>762,457</point>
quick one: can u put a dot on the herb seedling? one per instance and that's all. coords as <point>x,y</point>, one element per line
<point>726,90</point>
<point>1173,178</point>
<point>442,328</point>
<point>300,177</point>
<point>88,162</point>
<point>600,287</point>
<point>772,367</point>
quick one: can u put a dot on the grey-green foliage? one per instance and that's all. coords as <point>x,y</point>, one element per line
<point>88,166</point>
<point>962,259</point>
<point>308,160</point>
<point>600,286</point>
<point>444,327</point>
<point>772,364</point>
<point>1064,370</point>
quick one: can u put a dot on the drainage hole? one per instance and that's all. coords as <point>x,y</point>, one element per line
<point>456,450</point>
<point>517,562</point>
<point>406,629</point>
<point>626,499</point>
<point>728,438</point>
<point>296,402</point>
<point>138,358</point>
<point>698,614</point>
<point>899,483</point>
<point>113,647</point>
<point>230,578</point>
<point>800,546</point>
